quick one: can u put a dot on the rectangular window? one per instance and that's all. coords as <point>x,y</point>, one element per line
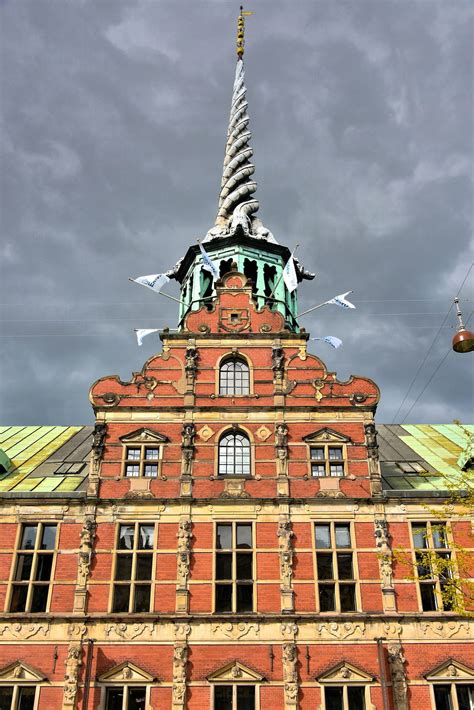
<point>17,697</point>
<point>33,568</point>
<point>234,567</point>
<point>234,697</point>
<point>455,696</point>
<point>327,460</point>
<point>432,558</point>
<point>335,567</point>
<point>142,460</point>
<point>124,698</point>
<point>133,568</point>
<point>344,697</point>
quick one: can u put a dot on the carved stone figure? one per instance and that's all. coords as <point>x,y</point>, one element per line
<point>382,543</point>
<point>180,659</point>
<point>285,534</point>
<point>371,441</point>
<point>278,362</point>
<point>281,435</point>
<point>98,448</point>
<point>85,551</point>
<point>73,662</point>
<point>187,436</point>
<point>290,676</point>
<point>396,661</point>
<point>191,360</point>
<point>184,537</point>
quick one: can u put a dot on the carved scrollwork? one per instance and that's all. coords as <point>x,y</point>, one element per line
<point>236,631</point>
<point>342,631</point>
<point>24,631</point>
<point>129,631</point>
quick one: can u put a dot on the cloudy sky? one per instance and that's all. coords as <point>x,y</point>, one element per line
<point>114,115</point>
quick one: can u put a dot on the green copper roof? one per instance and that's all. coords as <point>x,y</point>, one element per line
<point>43,458</point>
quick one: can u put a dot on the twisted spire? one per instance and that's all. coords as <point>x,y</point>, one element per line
<point>236,205</point>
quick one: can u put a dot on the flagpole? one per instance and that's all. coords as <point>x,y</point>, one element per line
<point>161,293</point>
<point>281,275</point>
<point>320,306</point>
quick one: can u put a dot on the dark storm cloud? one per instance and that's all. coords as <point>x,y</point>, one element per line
<point>114,121</point>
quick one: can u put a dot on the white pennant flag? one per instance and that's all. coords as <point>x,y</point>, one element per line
<point>153,281</point>
<point>330,340</point>
<point>207,263</point>
<point>341,300</point>
<point>142,332</point>
<point>289,275</point>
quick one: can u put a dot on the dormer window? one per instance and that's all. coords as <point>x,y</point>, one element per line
<point>234,377</point>
<point>142,454</point>
<point>327,453</point>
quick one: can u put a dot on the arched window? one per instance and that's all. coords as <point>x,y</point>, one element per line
<point>234,377</point>
<point>234,454</point>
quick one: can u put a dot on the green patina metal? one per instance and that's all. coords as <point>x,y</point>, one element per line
<point>261,261</point>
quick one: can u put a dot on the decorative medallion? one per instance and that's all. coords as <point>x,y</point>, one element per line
<point>205,432</point>
<point>234,320</point>
<point>263,432</point>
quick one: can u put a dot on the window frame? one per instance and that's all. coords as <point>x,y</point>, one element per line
<point>107,685</point>
<point>224,360</point>
<point>434,580</point>
<point>234,686</point>
<point>333,550</point>
<point>142,461</point>
<point>345,687</point>
<point>453,685</point>
<point>16,689</point>
<point>133,582</point>
<point>326,445</point>
<point>235,432</point>
<point>35,554</point>
<point>233,583</point>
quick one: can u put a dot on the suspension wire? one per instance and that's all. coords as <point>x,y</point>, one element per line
<point>432,376</point>
<point>429,349</point>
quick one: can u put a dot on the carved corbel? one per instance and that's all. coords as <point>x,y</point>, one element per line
<point>180,660</point>
<point>73,663</point>
<point>290,675</point>
<point>396,661</point>
<point>183,563</point>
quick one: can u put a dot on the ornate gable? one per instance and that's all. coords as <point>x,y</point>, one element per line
<point>144,435</point>
<point>345,673</point>
<point>20,672</point>
<point>235,672</point>
<point>326,434</point>
<point>126,672</point>
<point>450,671</point>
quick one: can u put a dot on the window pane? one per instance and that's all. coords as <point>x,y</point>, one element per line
<point>343,536</point>
<point>223,597</point>
<point>442,695</point>
<point>19,593</point>
<point>126,537</point>
<point>245,697</point>
<point>318,469</point>
<point>323,539</point>
<point>152,454</point>
<point>333,697</point>
<point>49,537</point>
<point>29,536</point>
<point>335,453</point>
<point>423,565</point>
<point>123,569</point>
<point>144,565</point>
<point>244,597</point>
<point>136,698</point>
<point>356,698</point>
<point>121,597</point>
<point>344,566</point>
<point>324,565</point>
<point>244,536</point>
<point>223,697</point>
<point>6,695</point>
<point>23,568</point>
<point>40,597</point>
<point>224,537</point>
<point>142,598</point>
<point>326,597</point>
<point>114,699</point>
<point>224,565</point>
<point>43,568</point>
<point>151,470</point>
<point>317,453</point>
<point>336,469</point>
<point>465,694</point>
<point>26,698</point>
<point>419,536</point>
<point>244,566</point>
<point>347,596</point>
<point>439,534</point>
<point>145,537</point>
<point>132,470</point>
<point>133,454</point>
<point>428,598</point>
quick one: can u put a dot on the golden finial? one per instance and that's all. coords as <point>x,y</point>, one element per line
<point>241,31</point>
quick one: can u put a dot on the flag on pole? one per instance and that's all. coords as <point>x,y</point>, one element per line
<point>341,300</point>
<point>207,263</point>
<point>142,332</point>
<point>153,281</point>
<point>289,275</point>
<point>330,340</point>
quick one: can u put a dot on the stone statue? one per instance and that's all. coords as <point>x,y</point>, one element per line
<point>180,659</point>
<point>382,543</point>
<point>183,552</point>
<point>191,360</point>
<point>73,662</point>
<point>187,436</point>
<point>278,360</point>
<point>371,441</point>
<point>290,676</point>
<point>396,662</point>
<point>85,551</point>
